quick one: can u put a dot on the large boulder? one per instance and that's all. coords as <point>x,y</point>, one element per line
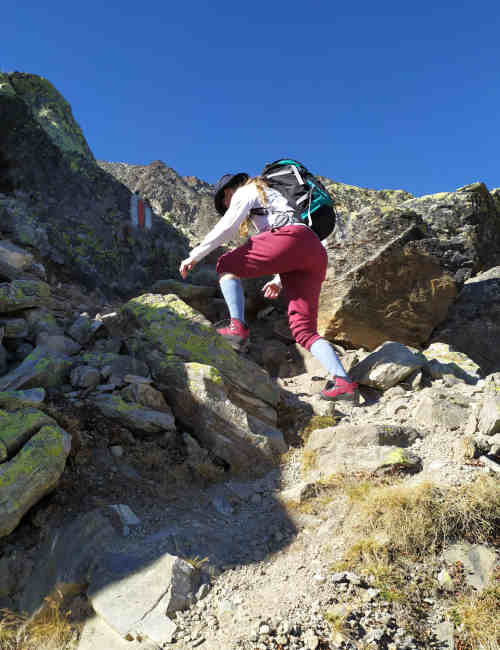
<point>399,293</point>
<point>368,448</point>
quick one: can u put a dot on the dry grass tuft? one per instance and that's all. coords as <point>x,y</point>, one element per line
<point>309,459</point>
<point>418,521</point>
<point>50,631</point>
<point>197,562</point>
<point>317,422</point>
<point>394,529</point>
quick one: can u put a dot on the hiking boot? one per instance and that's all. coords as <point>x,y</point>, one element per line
<point>236,334</point>
<point>340,389</point>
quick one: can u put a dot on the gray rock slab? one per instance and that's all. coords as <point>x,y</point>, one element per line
<point>98,635</point>
<point>65,560</point>
<point>134,416</point>
<point>473,323</point>
<point>135,595</point>
<point>144,394</point>
<point>85,377</point>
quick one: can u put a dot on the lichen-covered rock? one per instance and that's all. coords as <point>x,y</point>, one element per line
<point>443,360</point>
<point>22,294</point>
<point>42,368</point>
<point>12,400</point>
<point>198,297</point>
<point>41,321</point>
<point>52,112</point>
<point>473,322</point>
<point>18,427</point>
<point>163,329</point>
<point>31,474</point>
<point>397,294</point>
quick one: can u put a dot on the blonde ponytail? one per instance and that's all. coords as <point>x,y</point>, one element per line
<point>261,185</point>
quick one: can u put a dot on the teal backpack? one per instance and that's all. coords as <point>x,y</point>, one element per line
<point>310,200</point>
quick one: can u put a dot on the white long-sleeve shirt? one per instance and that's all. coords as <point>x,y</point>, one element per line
<point>245,198</point>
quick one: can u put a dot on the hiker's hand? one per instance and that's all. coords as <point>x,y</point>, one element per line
<point>186,266</point>
<point>271,290</point>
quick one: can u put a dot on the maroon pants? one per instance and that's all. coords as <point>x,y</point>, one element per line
<point>297,254</point>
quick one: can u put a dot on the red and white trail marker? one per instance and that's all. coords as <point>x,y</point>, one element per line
<point>140,213</point>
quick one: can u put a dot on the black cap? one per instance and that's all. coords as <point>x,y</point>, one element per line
<point>228,180</point>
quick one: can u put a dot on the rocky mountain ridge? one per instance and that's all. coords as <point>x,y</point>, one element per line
<point>215,496</point>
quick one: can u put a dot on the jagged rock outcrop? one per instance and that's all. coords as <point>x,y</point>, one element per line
<point>186,203</point>
<point>464,229</point>
<point>473,323</point>
<point>55,198</point>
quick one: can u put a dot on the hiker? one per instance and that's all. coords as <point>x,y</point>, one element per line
<point>292,251</point>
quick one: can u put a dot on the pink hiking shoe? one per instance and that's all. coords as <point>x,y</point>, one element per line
<point>340,389</point>
<point>236,334</point>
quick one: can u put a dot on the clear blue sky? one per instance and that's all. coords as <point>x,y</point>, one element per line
<point>376,94</point>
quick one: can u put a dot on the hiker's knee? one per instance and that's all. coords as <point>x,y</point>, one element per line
<point>304,332</point>
<point>227,276</point>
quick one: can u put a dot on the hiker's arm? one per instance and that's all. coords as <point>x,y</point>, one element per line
<point>243,200</point>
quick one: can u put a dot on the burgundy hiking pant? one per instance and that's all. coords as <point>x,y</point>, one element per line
<point>300,258</point>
